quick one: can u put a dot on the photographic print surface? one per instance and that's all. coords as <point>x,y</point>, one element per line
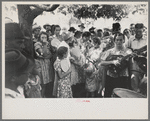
<point>70,57</point>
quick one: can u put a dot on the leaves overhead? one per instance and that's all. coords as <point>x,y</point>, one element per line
<point>117,12</point>
<point>95,11</point>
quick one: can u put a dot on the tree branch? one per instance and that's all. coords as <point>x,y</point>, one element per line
<point>47,8</point>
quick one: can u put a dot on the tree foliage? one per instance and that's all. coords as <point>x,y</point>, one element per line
<point>95,11</point>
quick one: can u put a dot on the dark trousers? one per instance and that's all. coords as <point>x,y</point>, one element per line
<point>79,90</point>
<point>49,90</point>
<point>111,83</point>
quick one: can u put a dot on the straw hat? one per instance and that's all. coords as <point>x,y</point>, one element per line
<point>35,26</point>
<point>44,26</point>
<point>82,25</point>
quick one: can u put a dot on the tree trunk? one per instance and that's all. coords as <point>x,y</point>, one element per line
<point>26,21</point>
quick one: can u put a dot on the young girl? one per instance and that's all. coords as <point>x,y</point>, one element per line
<point>43,60</point>
<point>91,80</point>
<point>62,83</point>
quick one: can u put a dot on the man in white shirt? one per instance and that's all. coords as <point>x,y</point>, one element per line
<point>136,42</point>
<point>132,29</point>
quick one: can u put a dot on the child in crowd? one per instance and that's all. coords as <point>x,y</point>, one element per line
<point>87,43</point>
<point>91,79</point>
<point>32,87</point>
<point>43,60</point>
<point>62,84</point>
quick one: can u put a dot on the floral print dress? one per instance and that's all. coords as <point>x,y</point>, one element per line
<point>64,84</point>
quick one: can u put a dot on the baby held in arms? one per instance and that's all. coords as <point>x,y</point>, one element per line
<point>76,56</point>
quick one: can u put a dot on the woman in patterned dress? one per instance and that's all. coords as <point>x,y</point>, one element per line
<point>62,84</point>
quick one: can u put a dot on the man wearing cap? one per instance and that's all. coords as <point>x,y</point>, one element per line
<point>17,68</point>
<point>77,38</point>
<point>132,29</point>
<point>14,38</point>
<point>81,27</point>
<point>47,27</point>
<point>136,42</point>
<point>35,32</point>
<point>92,31</point>
<point>99,33</point>
<point>72,31</point>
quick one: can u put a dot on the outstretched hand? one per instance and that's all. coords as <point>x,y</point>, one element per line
<point>116,62</point>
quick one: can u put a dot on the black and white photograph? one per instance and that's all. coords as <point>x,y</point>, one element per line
<point>85,56</point>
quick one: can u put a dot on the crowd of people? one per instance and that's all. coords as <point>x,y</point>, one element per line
<point>75,63</point>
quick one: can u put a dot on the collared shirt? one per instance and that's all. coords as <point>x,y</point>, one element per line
<point>13,94</point>
<point>135,43</point>
<point>113,51</point>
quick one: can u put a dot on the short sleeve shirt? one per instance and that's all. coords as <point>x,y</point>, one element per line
<point>113,51</point>
<point>136,44</point>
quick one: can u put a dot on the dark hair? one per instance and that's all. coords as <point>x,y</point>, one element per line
<point>52,29</point>
<point>132,24</point>
<point>71,44</point>
<point>77,33</point>
<point>86,34</point>
<point>49,30</point>
<point>72,29</point>
<point>119,34</point>
<point>139,26</point>
<point>61,51</point>
<point>96,40</point>
<point>99,30</point>
<point>126,31</point>
<point>106,34</point>
<point>42,32</point>
<point>56,26</point>
<point>116,27</point>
